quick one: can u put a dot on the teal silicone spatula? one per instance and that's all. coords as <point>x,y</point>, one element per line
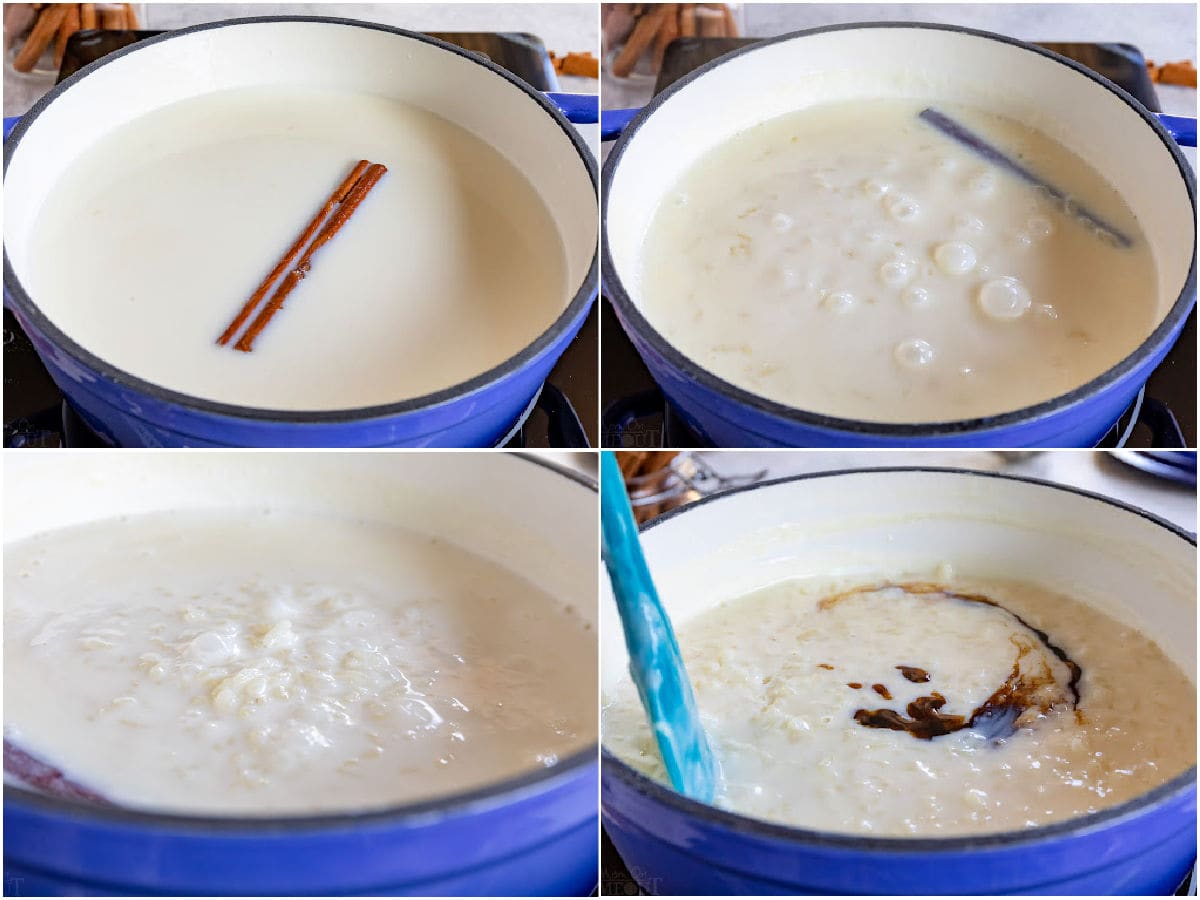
<point>654,658</point>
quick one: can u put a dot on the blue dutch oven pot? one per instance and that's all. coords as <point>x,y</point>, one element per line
<point>535,834</point>
<point>764,80</point>
<point>674,845</point>
<point>129,411</point>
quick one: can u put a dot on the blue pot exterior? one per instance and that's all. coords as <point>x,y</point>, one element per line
<point>537,840</point>
<point>673,846</point>
<point>127,413</point>
<point>724,420</point>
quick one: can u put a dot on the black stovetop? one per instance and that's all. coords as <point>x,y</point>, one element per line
<point>636,413</point>
<point>564,415</point>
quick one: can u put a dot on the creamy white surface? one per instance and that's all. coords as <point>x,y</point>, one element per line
<point>153,240</point>
<point>789,749</point>
<point>258,662</point>
<point>851,260</point>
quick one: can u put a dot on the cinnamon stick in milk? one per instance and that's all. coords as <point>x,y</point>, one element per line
<point>44,30</point>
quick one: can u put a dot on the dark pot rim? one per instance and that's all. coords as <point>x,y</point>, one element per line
<point>575,308</point>
<point>615,290</point>
<point>409,815</point>
<point>750,827</point>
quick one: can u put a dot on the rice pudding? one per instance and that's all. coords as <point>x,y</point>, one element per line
<point>851,260</point>
<point>156,235</point>
<point>922,709</point>
<point>235,662</point>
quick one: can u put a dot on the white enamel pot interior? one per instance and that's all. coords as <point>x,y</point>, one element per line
<point>325,53</point>
<point>1093,118</point>
<point>906,522</point>
<point>473,500</point>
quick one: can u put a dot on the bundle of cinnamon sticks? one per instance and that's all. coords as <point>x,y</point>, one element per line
<point>1181,73</point>
<point>647,28</point>
<point>43,24</point>
<point>646,473</point>
<point>581,65</point>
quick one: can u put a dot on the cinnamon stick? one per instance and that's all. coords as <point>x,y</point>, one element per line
<point>356,196</point>
<point>639,41</point>
<point>583,65</point>
<point>667,32</point>
<point>44,30</point>
<point>1178,73</point>
<point>731,29</point>
<point>687,20</point>
<point>294,251</point>
<point>87,16</point>
<point>69,26</point>
<point>711,22</point>
<point>131,19</point>
<point>112,17</point>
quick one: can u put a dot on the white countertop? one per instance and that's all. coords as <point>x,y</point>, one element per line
<point>1093,471</point>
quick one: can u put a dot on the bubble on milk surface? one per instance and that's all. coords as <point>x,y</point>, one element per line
<point>1004,298</point>
<point>840,302</point>
<point>875,188</point>
<point>914,354</point>
<point>897,271</point>
<point>903,208</point>
<point>955,257</point>
<point>967,222</point>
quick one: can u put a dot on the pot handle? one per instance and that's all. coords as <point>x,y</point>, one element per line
<point>563,426</point>
<point>580,109</point>
<point>1181,128</point>
<point>615,121</point>
<point>9,125</point>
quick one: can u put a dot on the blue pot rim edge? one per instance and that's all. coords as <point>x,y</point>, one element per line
<point>614,288</point>
<point>428,812</point>
<point>612,766</point>
<point>577,307</point>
